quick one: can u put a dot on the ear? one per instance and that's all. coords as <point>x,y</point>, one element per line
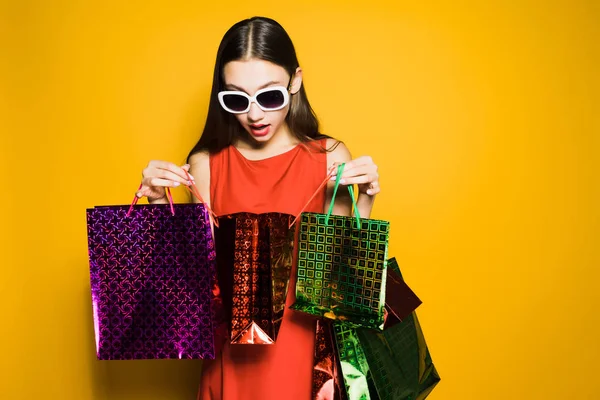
<point>296,83</point>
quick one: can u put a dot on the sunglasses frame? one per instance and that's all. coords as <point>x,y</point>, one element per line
<point>252,99</point>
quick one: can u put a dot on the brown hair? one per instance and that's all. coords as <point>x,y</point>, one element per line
<point>264,39</point>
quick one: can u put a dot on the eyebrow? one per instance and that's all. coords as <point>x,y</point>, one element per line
<point>260,87</point>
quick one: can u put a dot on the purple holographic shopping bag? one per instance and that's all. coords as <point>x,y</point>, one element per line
<point>152,269</point>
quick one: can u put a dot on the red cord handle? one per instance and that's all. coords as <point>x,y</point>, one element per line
<point>193,189</point>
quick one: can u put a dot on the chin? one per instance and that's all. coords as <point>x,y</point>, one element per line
<point>262,139</point>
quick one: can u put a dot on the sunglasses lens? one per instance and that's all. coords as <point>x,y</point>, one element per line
<point>271,99</point>
<point>235,102</point>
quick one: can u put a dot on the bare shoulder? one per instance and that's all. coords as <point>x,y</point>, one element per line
<point>200,170</point>
<point>339,152</point>
<point>200,165</point>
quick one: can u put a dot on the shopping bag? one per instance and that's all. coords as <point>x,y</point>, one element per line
<point>327,381</point>
<point>400,300</point>
<point>391,365</point>
<point>342,265</point>
<point>400,366</point>
<point>254,255</point>
<point>151,273</point>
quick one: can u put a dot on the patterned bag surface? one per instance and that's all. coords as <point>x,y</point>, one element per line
<point>327,381</point>
<point>399,362</point>
<point>151,274</point>
<point>391,365</point>
<point>342,265</point>
<point>255,262</point>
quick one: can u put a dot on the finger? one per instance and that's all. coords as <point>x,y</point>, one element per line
<point>360,170</point>
<point>359,180</point>
<point>186,168</point>
<point>372,192</point>
<point>160,182</point>
<point>350,176</point>
<point>169,166</point>
<point>333,170</point>
<point>374,188</point>
<point>358,162</point>
<point>374,185</point>
<point>144,191</point>
<point>161,164</point>
<point>167,175</point>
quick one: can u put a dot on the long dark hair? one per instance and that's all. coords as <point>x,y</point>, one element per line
<point>264,39</point>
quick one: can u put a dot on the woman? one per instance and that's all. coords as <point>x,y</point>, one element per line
<point>261,151</point>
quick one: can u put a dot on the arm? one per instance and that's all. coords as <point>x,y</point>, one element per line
<point>200,170</point>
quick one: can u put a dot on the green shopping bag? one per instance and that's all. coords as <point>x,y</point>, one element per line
<point>342,263</point>
<point>391,365</point>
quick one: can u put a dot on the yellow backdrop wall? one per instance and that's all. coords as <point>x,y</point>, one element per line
<point>483,118</point>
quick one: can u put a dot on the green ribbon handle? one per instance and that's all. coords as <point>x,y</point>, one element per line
<point>335,188</point>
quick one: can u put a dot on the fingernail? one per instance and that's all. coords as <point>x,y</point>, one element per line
<point>369,191</point>
<point>139,195</point>
<point>191,176</point>
<point>333,178</point>
<point>342,181</point>
<point>189,183</point>
<point>175,184</point>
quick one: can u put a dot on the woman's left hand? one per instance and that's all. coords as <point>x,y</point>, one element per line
<point>361,171</point>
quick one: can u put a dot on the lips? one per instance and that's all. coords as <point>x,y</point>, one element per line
<point>260,129</point>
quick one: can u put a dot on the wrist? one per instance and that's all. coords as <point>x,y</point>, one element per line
<point>365,204</point>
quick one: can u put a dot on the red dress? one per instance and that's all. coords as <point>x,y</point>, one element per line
<point>283,183</point>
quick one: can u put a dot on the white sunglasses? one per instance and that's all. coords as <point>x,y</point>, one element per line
<point>268,99</point>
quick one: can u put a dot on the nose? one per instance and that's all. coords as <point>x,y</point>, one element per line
<point>255,113</point>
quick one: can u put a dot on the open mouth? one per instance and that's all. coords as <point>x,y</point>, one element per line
<point>260,130</point>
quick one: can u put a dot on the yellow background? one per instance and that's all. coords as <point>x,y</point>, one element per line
<point>483,118</point>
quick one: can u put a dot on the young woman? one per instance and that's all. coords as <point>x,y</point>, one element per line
<point>261,151</point>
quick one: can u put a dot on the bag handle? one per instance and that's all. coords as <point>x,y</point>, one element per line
<point>195,192</point>
<point>337,184</point>
<point>350,190</point>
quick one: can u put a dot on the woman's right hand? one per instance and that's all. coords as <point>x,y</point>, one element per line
<point>160,174</point>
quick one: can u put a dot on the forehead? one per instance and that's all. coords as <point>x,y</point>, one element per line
<point>252,74</point>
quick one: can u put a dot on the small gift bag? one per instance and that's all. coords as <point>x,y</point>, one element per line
<point>342,266</point>
<point>400,300</point>
<point>151,273</point>
<point>254,253</point>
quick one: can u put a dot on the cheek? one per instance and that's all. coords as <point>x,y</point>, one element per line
<point>241,118</point>
<point>273,117</point>
<point>278,117</point>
